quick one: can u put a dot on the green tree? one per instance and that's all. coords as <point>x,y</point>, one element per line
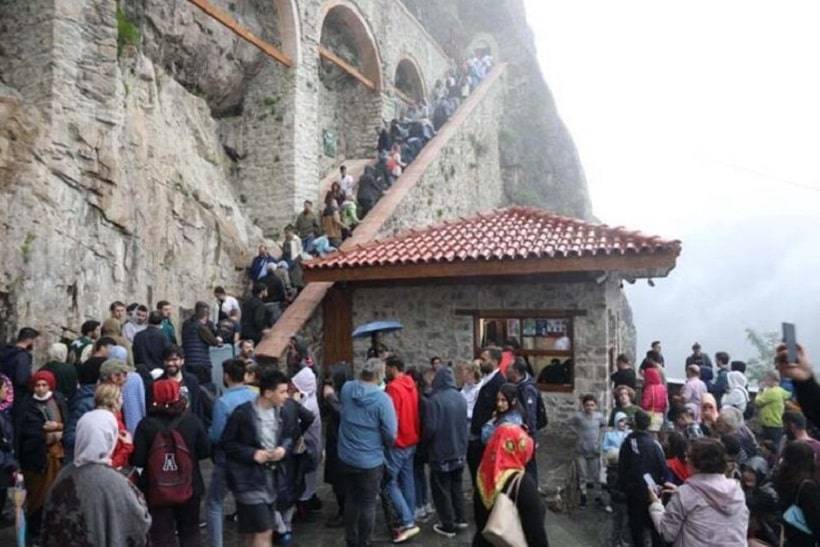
<point>765,343</point>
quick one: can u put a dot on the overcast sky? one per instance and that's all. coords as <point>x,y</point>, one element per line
<point>700,121</point>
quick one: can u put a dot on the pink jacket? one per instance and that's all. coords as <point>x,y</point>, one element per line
<point>655,397</point>
<point>708,510</point>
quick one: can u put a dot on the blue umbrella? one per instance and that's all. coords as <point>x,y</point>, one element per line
<point>376,327</point>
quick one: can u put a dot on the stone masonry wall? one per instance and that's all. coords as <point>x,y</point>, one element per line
<point>431,326</point>
<point>464,179</point>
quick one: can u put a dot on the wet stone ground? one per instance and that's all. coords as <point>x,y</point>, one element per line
<point>579,528</point>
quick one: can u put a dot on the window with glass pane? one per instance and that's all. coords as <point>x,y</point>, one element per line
<point>545,341</point>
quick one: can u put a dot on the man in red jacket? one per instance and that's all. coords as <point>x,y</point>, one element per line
<point>399,458</point>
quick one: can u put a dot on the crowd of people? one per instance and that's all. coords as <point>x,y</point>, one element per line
<point>108,434</point>
<point>399,142</point>
<point>720,467</point>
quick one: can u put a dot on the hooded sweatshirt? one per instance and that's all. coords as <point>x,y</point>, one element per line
<point>655,398</point>
<point>736,396</point>
<point>615,438</point>
<point>402,390</point>
<point>708,510</point>
<point>368,425</point>
<point>445,424</point>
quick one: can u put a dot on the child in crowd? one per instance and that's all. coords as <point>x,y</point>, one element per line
<point>611,447</point>
<point>684,423</point>
<point>587,424</point>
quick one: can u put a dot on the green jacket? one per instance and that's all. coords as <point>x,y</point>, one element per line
<point>771,403</point>
<point>169,331</point>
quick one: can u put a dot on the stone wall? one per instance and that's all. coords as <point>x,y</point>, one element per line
<point>465,177</point>
<point>431,326</point>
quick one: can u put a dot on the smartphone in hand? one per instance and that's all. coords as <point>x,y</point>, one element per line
<point>790,339</point>
<point>650,483</point>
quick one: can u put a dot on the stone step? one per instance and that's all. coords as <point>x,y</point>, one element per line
<point>274,345</point>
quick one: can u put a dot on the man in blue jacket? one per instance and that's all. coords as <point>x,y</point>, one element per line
<point>445,433</point>
<point>235,394</point>
<point>368,426</point>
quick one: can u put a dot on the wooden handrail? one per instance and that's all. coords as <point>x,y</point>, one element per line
<point>220,16</point>
<point>328,55</point>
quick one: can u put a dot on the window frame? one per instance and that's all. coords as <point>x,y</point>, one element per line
<point>521,315</point>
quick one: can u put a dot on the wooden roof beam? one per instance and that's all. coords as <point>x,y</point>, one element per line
<point>328,55</point>
<point>220,16</point>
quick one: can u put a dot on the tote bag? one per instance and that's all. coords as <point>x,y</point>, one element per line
<point>503,527</point>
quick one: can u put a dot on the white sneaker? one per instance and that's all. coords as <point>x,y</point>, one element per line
<point>406,533</point>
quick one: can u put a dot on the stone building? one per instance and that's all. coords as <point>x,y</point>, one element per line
<point>551,283</point>
<point>147,146</point>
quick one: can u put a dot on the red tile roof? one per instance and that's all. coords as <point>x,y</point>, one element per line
<point>504,234</point>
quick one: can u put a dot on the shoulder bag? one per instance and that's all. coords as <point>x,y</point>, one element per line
<point>503,527</point>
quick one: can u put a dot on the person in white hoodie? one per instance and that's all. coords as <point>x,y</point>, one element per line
<point>737,396</point>
<point>708,510</point>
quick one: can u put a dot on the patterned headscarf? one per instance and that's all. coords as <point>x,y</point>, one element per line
<point>7,403</point>
<point>509,450</point>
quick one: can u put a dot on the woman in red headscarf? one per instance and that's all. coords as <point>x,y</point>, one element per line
<point>505,457</point>
<point>39,443</point>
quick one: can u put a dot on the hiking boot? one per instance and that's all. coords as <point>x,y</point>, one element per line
<point>406,533</point>
<point>440,530</point>
<point>462,525</point>
<point>314,503</point>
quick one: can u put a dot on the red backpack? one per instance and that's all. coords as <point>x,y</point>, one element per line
<point>170,470</point>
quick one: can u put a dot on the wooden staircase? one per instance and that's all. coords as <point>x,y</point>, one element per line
<point>296,316</point>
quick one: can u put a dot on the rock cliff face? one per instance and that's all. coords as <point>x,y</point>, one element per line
<point>145,149</point>
<point>111,175</point>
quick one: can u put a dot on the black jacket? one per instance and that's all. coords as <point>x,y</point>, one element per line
<point>16,364</point>
<point>445,423</point>
<point>30,443</point>
<point>530,510</point>
<point>192,432</point>
<point>240,441</point>
<point>528,397</point>
<point>640,454</point>
<point>808,396</point>
<point>254,319</point>
<point>276,288</point>
<point>485,404</point>
<point>148,347</point>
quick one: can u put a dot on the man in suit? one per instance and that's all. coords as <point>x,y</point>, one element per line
<point>484,406</point>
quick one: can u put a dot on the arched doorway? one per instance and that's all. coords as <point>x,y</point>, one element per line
<point>289,32</point>
<point>350,102</point>
<point>409,82</point>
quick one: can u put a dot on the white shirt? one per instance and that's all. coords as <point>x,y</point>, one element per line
<point>348,185</point>
<point>228,306</point>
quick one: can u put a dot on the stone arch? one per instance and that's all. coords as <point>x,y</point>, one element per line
<point>290,29</point>
<point>348,18</point>
<point>409,79</point>
<point>482,42</point>
<point>347,109</point>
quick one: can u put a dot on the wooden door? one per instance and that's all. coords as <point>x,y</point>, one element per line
<point>337,326</point>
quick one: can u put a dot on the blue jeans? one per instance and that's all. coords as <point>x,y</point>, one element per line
<point>214,505</point>
<point>402,487</point>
